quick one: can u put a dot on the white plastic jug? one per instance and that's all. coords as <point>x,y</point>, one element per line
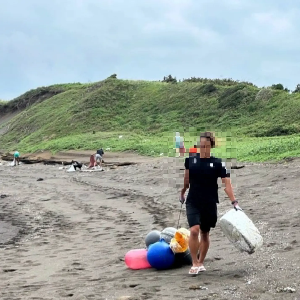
<point>71,169</point>
<point>241,231</point>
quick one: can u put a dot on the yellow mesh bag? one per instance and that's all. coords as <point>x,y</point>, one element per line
<point>180,242</point>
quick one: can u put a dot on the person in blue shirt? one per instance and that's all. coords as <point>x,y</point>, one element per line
<point>16,158</point>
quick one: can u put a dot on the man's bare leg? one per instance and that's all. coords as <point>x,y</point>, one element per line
<point>203,247</point>
<point>194,244</point>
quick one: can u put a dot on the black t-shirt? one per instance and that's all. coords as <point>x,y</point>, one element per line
<point>100,152</point>
<point>204,174</point>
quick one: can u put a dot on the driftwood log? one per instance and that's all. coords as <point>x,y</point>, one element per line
<point>237,167</point>
<point>26,160</point>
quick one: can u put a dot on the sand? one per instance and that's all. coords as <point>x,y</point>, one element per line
<point>65,237</point>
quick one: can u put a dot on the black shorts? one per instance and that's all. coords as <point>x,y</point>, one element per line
<point>205,216</point>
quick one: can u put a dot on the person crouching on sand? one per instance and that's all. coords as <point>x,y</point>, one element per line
<point>16,158</point>
<point>98,158</point>
<point>201,174</point>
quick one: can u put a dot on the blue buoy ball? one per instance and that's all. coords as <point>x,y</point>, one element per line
<point>152,237</point>
<point>160,256</point>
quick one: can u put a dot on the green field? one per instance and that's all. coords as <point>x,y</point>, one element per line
<point>253,124</point>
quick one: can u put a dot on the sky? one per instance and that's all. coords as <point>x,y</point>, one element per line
<point>45,42</point>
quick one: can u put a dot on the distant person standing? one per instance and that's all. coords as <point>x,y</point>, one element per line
<point>179,144</point>
<point>99,157</point>
<point>16,158</point>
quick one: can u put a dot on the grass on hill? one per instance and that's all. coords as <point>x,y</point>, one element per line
<point>257,124</point>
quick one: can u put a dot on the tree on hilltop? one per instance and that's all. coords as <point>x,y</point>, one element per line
<point>297,89</point>
<point>277,86</point>
<point>169,79</point>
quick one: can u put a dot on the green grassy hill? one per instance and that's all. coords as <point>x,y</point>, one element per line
<point>259,124</point>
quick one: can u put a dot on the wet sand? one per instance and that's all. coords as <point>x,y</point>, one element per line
<point>70,233</point>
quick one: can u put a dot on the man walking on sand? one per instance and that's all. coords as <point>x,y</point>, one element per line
<point>201,174</point>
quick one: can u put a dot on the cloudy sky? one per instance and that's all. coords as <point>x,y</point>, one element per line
<point>43,42</point>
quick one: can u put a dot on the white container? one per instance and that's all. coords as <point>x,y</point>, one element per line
<point>71,169</point>
<point>241,231</point>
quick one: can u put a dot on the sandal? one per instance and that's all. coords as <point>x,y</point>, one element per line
<point>194,271</point>
<point>201,269</point>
